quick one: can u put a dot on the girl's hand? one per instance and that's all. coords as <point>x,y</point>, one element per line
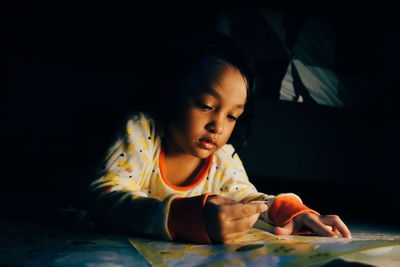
<point>323,225</point>
<point>227,219</point>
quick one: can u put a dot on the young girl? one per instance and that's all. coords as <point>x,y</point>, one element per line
<point>173,173</point>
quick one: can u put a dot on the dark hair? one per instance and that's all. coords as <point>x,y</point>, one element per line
<point>182,57</point>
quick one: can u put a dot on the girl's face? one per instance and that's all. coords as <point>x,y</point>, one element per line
<point>208,119</point>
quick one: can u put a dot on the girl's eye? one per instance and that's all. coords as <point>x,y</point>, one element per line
<point>203,106</point>
<point>232,118</point>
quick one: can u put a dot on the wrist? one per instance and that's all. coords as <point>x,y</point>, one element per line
<point>285,208</point>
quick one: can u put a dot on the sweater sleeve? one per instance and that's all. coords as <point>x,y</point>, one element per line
<point>236,185</point>
<point>186,219</point>
<point>118,197</point>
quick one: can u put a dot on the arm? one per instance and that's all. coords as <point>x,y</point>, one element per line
<point>129,211</point>
<point>118,199</point>
<point>174,218</point>
<point>235,185</point>
<point>286,212</point>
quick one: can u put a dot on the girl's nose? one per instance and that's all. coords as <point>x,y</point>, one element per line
<point>215,126</point>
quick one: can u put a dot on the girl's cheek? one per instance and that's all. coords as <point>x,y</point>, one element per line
<point>231,129</point>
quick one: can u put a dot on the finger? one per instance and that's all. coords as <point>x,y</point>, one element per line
<point>242,224</point>
<point>242,210</point>
<point>320,228</point>
<point>337,224</point>
<point>337,233</point>
<point>232,236</point>
<point>287,229</point>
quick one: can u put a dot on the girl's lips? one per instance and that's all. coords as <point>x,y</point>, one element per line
<point>206,144</point>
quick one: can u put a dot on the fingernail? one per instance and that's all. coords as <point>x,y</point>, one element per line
<point>264,207</point>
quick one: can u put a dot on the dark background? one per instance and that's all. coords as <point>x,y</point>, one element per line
<point>71,71</point>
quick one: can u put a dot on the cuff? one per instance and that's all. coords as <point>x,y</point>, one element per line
<point>185,219</point>
<point>285,207</point>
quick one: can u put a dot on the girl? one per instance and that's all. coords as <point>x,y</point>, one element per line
<point>173,172</point>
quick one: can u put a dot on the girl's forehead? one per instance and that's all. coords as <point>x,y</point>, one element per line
<point>229,85</point>
<point>206,80</point>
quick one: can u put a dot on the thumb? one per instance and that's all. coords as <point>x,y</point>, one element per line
<point>287,229</point>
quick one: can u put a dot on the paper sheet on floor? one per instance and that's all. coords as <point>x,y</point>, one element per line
<point>263,248</point>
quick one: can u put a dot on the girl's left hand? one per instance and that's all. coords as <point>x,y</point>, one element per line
<point>323,225</point>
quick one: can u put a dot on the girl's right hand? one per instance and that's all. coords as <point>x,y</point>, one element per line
<point>227,219</point>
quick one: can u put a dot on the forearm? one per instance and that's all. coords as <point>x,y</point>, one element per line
<point>174,218</point>
<point>131,213</point>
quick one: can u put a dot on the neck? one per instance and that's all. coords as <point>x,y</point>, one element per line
<point>173,151</point>
<point>181,167</point>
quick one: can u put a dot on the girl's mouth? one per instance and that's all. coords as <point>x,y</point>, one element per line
<point>208,144</point>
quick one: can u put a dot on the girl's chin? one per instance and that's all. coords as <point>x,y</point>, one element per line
<point>203,154</point>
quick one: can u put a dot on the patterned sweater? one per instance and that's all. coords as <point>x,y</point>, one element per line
<point>131,191</point>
